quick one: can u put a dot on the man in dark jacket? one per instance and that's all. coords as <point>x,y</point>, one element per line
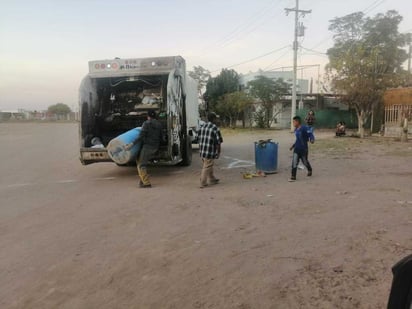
<point>150,136</point>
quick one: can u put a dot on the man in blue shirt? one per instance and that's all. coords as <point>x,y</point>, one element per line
<point>300,147</point>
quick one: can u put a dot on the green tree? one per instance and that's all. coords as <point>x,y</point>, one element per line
<point>232,105</point>
<point>201,75</point>
<point>226,82</point>
<point>59,109</point>
<point>268,92</point>
<point>366,59</point>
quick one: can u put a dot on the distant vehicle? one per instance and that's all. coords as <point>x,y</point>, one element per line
<point>117,94</point>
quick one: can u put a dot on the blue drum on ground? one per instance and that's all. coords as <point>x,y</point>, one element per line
<point>266,156</point>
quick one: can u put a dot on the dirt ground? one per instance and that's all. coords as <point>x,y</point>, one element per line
<point>75,236</point>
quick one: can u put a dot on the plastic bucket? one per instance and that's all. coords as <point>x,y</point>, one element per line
<point>266,156</point>
<point>116,150</point>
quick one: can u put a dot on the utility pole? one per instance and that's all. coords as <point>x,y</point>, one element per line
<point>295,54</point>
<point>410,53</point>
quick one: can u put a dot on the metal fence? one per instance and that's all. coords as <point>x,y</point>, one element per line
<point>393,113</point>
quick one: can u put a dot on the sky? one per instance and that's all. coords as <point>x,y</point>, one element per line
<point>45,45</point>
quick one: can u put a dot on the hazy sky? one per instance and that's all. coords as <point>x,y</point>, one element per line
<point>45,45</point>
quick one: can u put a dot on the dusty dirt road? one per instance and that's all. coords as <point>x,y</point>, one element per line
<point>87,237</point>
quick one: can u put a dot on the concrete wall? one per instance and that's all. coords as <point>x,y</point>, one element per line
<point>395,130</point>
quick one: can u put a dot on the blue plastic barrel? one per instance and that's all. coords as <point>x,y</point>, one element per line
<point>266,156</point>
<point>116,150</point>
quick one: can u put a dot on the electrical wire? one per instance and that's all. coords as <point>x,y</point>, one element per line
<point>255,58</point>
<point>367,10</point>
<point>313,51</point>
<point>269,67</point>
<point>242,27</point>
<point>370,5</point>
<point>375,6</point>
<point>246,24</point>
<point>256,26</point>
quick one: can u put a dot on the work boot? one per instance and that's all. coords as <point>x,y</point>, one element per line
<point>214,181</point>
<point>144,178</point>
<point>141,185</point>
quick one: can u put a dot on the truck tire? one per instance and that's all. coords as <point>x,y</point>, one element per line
<point>187,152</point>
<point>401,291</point>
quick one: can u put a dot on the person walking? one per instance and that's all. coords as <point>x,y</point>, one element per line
<point>310,120</point>
<point>210,140</point>
<point>300,147</point>
<point>150,136</point>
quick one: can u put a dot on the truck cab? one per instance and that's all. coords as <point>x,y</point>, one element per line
<point>116,95</point>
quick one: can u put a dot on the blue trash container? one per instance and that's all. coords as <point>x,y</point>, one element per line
<point>266,156</point>
<point>116,150</point>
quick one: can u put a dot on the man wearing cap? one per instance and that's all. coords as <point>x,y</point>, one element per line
<point>150,136</point>
<point>210,140</point>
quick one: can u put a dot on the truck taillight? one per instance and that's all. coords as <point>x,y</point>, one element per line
<point>103,66</point>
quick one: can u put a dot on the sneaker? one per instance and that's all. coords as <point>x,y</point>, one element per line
<point>309,173</point>
<point>292,179</point>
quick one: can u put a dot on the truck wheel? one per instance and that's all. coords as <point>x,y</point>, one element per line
<point>401,291</point>
<point>187,152</point>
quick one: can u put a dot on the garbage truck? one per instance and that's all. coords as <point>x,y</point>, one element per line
<point>116,96</point>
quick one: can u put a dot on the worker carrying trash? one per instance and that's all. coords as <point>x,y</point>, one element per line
<point>150,136</point>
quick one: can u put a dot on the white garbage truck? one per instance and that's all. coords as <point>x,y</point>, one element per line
<point>116,95</point>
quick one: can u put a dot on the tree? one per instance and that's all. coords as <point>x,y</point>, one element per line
<point>366,59</point>
<point>201,75</point>
<point>233,104</point>
<point>59,109</point>
<point>268,91</point>
<point>226,82</point>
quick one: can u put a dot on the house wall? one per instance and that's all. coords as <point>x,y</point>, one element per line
<point>398,102</point>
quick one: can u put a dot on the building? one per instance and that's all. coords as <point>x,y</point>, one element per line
<point>281,110</point>
<point>17,114</point>
<point>287,76</point>
<point>398,106</point>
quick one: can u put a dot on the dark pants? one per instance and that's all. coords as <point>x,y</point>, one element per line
<point>297,156</point>
<point>146,154</point>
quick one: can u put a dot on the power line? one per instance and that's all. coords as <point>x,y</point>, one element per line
<point>313,51</point>
<point>375,6</point>
<point>276,61</point>
<point>241,27</point>
<point>253,59</point>
<point>367,10</point>
<point>254,26</point>
<point>246,24</point>
<point>370,5</point>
